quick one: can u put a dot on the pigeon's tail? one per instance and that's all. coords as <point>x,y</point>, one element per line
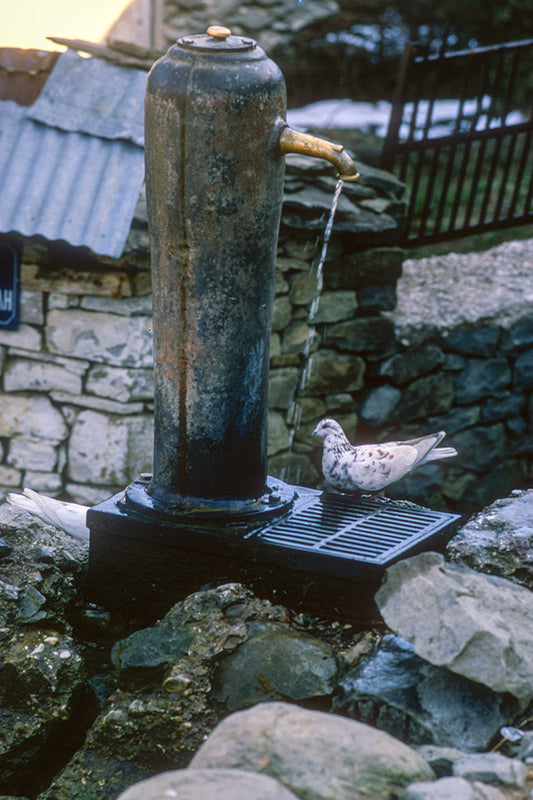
<point>69,517</point>
<point>426,447</point>
<point>30,501</point>
<point>440,452</point>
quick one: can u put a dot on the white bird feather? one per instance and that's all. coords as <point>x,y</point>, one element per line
<point>69,517</point>
<point>372,467</point>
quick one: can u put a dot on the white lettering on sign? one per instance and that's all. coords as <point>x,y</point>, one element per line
<point>6,300</point>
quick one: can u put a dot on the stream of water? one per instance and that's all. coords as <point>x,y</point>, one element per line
<point>294,414</point>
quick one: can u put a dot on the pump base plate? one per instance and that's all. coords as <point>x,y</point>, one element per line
<point>326,556</point>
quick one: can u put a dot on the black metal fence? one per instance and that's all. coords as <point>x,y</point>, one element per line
<point>468,162</point>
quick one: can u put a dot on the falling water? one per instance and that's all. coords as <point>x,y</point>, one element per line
<point>294,414</point>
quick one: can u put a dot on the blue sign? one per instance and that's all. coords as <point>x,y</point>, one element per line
<point>9,287</point>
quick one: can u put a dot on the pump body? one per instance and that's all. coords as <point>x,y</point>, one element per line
<point>214,191</point>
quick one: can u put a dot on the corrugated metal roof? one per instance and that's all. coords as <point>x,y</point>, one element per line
<point>69,185</point>
<point>89,95</point>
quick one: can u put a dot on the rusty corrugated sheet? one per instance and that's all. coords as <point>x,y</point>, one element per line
<point>68,185</point>
<point>23,73</point>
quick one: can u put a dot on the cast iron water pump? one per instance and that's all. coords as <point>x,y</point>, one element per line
<point>215,139</point>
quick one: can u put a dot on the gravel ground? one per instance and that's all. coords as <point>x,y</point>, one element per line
<point>444,292</point>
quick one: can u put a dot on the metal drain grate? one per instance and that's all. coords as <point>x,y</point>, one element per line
<point>369,531</point>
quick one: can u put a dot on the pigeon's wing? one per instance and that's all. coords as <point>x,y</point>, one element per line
<point>377,466</point>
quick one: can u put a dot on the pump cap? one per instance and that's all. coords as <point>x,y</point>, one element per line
<point>218,32</point>
<point>217,39</point>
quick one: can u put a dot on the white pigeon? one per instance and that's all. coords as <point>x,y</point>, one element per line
<point>69,517</point>
<point>371,467</point>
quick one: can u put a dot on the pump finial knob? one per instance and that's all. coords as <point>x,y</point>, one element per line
<point>218,32</point>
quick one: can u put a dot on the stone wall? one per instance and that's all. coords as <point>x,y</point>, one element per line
<point>76,393</point>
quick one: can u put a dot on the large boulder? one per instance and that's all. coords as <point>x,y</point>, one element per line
<point>479,626</point>
<point>318,756</point>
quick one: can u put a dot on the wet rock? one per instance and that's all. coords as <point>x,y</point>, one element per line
<point>142,657</point>
<point>448,788</point>
<point>492,768</point>
<point>478,626</point>
<point>200,784</point>
<point>275,663</point>
<point>163,720</point>
<point>419,703</point>
<point>41,690</point>
<point>312,753</point>
<point>481,378</point>
<point>499,540</point>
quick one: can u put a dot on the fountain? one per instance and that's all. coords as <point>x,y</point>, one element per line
<point>215,139</point>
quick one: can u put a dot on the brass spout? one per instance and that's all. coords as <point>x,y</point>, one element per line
<point>303,143</point>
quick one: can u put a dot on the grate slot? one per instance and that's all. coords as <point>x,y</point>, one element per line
<point>361,530</point>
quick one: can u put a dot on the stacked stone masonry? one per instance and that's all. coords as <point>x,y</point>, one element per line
<point>76,394</point>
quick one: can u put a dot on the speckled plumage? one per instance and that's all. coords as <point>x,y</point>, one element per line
<point>372,467</point>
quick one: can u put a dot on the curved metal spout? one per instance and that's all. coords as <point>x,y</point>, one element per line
<point>303,143</point>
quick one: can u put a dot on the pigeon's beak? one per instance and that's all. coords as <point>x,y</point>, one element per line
<point>315,432</point>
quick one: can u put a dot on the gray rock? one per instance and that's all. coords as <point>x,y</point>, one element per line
<point>404,367</point>
<point>207,784</point>
<point>451,789</point>
<point>519,335</point>
<point>371,334</point>
<point>419,703</point>
<point>275,663</point>
<point>329,371</point>
<point>108,338</point>
<point>142,657</point>
<point>499,540</point>
<point>505,406</point>
<point>457,419</point>
<point>335,306</point>
<point>473,341</point>
<point>523,371</point>
<point>282,387</point>
<point>30,416</point>
<point>427,396</point>
<point>379,265</point>
<point>492,768</point>
<point>479,448</point>
<point>109,449</point>
<point>372,299</point>
<point>312,753</point>
<point>481,378</point>
<point>379,405</point>
<point>440,759</point>
<point>478,626</point>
